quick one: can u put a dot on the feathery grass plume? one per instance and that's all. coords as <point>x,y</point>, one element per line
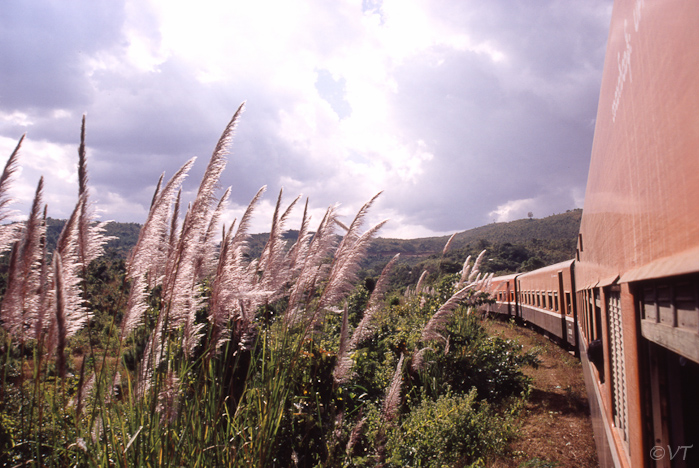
<point>20,305</point>
<point>314,267</point>
<point>67,268</point>
<point>8,232</point>
<point>60,316</point>
<point>236,283</point>
<point>168,399</point>
<point>392,398</point>
<point>418,286</point>
<point>233,293</point>
<point>418,361</point>
<point>345,265</point>
<point>465,270</point>
<point>342,372</point>
<point>364,328</point>
<point>219,312</point>
<point>344,271</point>
<point>298,251</point>
<point>205,261</point>
<point>441,317</point>
<point>44,293</point>
<point>476,266</point>
<point>275,272</point>
<point>148,251</point>
<point>354,435</point>
<point>11,167</point>
<point>91,238</point>
<point>448,245</point>
<point>180,288</point>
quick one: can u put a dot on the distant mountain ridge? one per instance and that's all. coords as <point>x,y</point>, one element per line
<point>510,245</point>
<point>562,226</point>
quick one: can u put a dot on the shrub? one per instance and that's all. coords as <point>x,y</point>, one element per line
<point>453,428</point>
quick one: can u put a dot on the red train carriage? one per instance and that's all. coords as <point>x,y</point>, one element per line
<point>502,291</point>
<point>546,298</point>
<point>637,272</point>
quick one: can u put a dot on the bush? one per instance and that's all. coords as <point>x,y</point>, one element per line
<point>454,428</point>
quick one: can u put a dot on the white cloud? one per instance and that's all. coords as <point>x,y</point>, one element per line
<point>513,209</point>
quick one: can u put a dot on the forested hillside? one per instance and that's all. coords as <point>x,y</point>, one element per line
<point>516,246</point>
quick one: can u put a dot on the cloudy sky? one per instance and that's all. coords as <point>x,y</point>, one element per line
<point>464,112</point>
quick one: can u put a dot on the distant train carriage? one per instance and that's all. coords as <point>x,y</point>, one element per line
<point>502,291</point>
<point>546,298</point>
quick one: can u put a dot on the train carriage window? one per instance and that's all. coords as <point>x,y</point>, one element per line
<point>555,301</point>
<point>598,314</point>
<point>568,305</point>
<point>669,310</point>
<point>617,363</point>
<point>550,303</point>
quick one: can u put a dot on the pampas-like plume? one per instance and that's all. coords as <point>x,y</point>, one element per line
<point>441,317</point>
<point>274,265</point>
<point>314,267</point>
<point>20,305</point>
<point>233,294</point>
<point>91,238</point>
<point>205,258</point>
<point>476,265</point>
<point>8,232</point>
<point>342,371</point>
<point>346,262</point>
<point>448,244</point>
<point>418,287</point>
<point>11,167</point>
<point>418,361</point>
<point>354,436</point>
<point>148,251</point>
<point>66,278</point>
<point>364,329</point>
<point>392,398</point>
<point>168,399</point>
<point>181,277</point>
<point>60,316</point>
<point>464,272</point>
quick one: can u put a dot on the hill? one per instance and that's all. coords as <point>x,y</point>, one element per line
<point>520,245</point>
<point>516,246</point>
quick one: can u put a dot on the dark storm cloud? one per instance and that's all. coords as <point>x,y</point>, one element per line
<point>44,46</point>
<point>503,131</point>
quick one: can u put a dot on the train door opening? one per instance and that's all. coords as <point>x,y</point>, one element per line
<point>669,340</point>
<point>673,408</point>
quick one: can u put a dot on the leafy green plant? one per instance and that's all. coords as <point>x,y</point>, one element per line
<point>453,428</point>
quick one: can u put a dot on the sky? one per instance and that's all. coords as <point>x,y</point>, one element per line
<point>462,112</point>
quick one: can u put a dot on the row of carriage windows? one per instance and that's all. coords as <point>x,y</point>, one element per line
<point>541,299</point>
<point>547,300</point>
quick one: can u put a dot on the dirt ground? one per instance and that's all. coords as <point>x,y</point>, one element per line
<point>555,428</point>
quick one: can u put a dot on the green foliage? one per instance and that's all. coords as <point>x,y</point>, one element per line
<point>453,428</point>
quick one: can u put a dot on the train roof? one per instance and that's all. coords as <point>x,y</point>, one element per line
<point>550,268</point>
<point>500,279</point>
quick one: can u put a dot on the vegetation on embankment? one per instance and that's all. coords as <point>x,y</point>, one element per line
<point>193,352</point>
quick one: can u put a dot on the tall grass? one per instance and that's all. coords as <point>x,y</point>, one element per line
<point>214,358</point>
<point>212,385</point>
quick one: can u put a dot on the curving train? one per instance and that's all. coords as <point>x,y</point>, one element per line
<point>628,302</point>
